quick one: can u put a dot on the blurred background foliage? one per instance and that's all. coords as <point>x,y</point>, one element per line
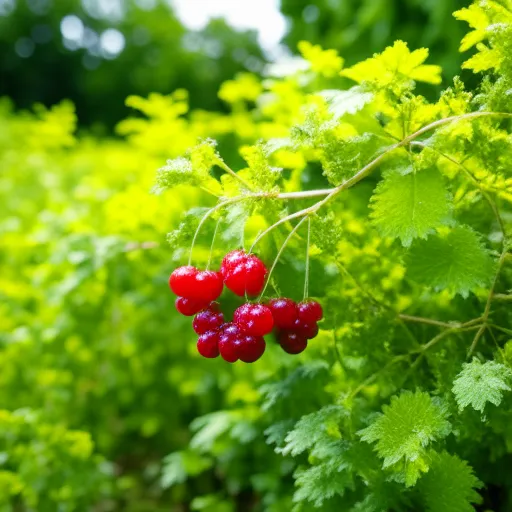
<point>97,52</point>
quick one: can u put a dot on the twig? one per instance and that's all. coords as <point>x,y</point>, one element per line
<point>487,197</point>
<point>417,319</point>
<point>285,243</point>
<point>487,309</point>
<point>502,296</point>
<point>225,166</point>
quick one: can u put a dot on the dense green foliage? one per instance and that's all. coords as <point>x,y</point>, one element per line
<point>40,64</point>
<point>358,28</point>
<point>403,400</point>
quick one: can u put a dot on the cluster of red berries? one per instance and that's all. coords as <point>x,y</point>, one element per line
<point>244,274</point>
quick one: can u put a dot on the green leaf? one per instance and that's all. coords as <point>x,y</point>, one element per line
<point>342,158</point>
<point>209,428</point>
<point>178,466</point>
<point>312,428</point>
<point>346,102</point>
<point>261,173</point>
<point>403,432</point>
<point>394,65</point>
<point>450,485</point>
<point>411,205</point>
<point>193,170</point>
<point>276,433</point>
<point>178,171</point>
<point>324,481</point>
<point>183,234</point>
<point>455,260</point>
<point>297,388</point>
<point>479,383</point>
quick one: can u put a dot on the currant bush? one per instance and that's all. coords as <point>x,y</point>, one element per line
<point>346,244</point>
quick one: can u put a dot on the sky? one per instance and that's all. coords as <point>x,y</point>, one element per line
<point>262,15</point>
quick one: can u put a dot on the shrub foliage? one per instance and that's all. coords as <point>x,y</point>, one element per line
<point>401,403</point>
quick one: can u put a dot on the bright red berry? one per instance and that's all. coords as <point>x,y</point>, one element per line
<point>229,340</point>
<point>292,342</point>
<point>182,280</point>
<point>310,311</point>
<point>189,307</point>
<point>256,272</point>
<point>231,260</point>
<point>207,320</point>
<point>207,285</point>
<point>310,331</point>
<point>248,277</point>
<point>251,348</point>
<point>284,312</point>
<point>208,344</point>
<point>254,319</point>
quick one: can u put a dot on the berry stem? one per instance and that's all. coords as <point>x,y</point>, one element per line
<point>306,278</point>
<point>213,243</point>
<point>225,166</point>
<point>368,168</point>
<point>205,217</point>
<point>285,243</point>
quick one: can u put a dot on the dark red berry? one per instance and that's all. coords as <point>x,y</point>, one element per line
<point>292,342</point>
<point>208,344</point>
<point>251,348</point>
<point>207,285</point>
<point>254,319</point>
<point>231,260</point>
<point>214,306</point>
<point>182,281</point>
<point>310,331</point>
<point>310,311</point>
<point>229,340</point>
<point>284,312</point>
<point>207,320</point>
<point>248,277</point>
<point>189,307</point>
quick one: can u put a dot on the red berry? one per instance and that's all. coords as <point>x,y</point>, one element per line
<point>292,342</point>
<point>256,272</point>
<point>182,280</point>
<point>310,311</point>
<point>251,348</point>
<point>231,260</point>
<point>284,312</point>
<point>189,307</point>
<point>254,319</point>
<point>207,320</point>
<point>207,286</point>
<point>229,340</point>
<point>248,277</point>
<point>208,344</point>
<point>310,331</point>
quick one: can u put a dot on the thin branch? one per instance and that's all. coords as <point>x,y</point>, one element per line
<point>502,329</point>
<point>285,243</point>
<point>368,168</point>
<point>487,197</point>
<point>213,243</point>
<point>306,272</point>
<point>420,351</point>
<point>207,215</point>
<point>417,319</point>
<point>502,296</point>
<point>487,309</point>
<point>225,166</point>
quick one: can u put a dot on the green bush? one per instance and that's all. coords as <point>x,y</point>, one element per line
<point>402,401</point>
